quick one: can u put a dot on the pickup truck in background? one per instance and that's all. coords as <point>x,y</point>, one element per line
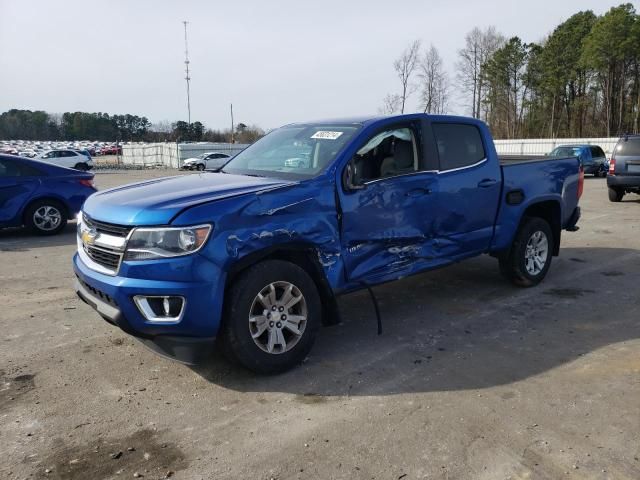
<point>254,256</point>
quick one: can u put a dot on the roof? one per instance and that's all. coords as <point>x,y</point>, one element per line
<point>367,120</point>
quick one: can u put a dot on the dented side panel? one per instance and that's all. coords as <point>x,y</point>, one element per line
<point>388,228</point>
<point>300,215</point>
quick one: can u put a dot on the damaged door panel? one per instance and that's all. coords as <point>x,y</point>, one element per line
<point>387,228</point>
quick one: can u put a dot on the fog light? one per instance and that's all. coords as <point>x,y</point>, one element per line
<point>160,309</point>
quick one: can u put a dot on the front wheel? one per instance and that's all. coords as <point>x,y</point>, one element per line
<point>529,259</point>
<point>615,195</point>
<point>272,316</point>
<point>200,167</point>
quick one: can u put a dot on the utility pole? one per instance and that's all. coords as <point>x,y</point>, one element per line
<point>187,77</point>
<point>232,127</point>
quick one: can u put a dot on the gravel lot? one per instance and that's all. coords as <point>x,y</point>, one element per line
<point>472,378</point>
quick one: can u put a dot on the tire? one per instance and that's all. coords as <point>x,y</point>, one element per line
<point>243,301</point>
<point>81,166</point>
<point>200,167</point>
<point>615,195</point>
<point>45,217</point>
<point>522,266</point>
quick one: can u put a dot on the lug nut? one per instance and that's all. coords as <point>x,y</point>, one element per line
<point>271,324</point>
<point>273,308</point>
<point>283,317</point>
<point>281,309</point>
<point>279,325</point>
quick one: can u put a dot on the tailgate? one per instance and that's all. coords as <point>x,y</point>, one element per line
<point>627,166</point>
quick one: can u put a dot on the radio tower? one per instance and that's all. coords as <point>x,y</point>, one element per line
<point>186,64</point>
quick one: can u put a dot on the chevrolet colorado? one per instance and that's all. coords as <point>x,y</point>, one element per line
<point>253,256</point>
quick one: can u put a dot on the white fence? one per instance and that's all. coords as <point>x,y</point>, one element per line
<point>172,154</point>
<point>541,146</point>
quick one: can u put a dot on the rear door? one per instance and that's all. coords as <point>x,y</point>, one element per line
<point>627,156</point>
<point>469,185</point>
<point>18,183</point>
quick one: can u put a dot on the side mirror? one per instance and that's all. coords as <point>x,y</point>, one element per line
<point>348,178</point>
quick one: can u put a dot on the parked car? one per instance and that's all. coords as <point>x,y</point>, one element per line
<point>111,150</point>
<point>592,157</point>
<point>39,195</point>
<point>68,158</point>
<point>256,254</point>
<point>208,161</point>
<point>624,168</point>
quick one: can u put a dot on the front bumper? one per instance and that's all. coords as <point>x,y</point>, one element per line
<point>187,340</point>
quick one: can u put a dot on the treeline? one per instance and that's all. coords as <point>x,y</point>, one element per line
<point>583,80</point>
<point>39,125</point>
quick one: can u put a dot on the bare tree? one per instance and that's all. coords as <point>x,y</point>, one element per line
<point>405,66</point>
<point>434,82</point>
<point>390,104</point>
<point>479,47</point>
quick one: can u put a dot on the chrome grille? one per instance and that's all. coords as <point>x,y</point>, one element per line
<point>107,228</point>
<point>104,256</point>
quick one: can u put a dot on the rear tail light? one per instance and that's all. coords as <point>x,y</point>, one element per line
<point>580,181</point>
<point>612,166</point>
<point>87,182</point>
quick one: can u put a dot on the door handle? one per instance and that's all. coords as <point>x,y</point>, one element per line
<point>487,182</point>
<point>418,192</point>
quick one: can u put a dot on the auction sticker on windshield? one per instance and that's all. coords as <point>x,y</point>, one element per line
<point>325,135</point>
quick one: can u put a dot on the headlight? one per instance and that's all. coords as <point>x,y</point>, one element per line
<point>152,243</point>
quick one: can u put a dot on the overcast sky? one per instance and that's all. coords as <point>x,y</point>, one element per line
<point>277,61</point>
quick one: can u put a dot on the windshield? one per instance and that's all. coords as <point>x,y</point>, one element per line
<point>296,151</point>
<point>565,152</point>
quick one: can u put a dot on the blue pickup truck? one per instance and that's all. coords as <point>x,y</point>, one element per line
<point>253,256</point>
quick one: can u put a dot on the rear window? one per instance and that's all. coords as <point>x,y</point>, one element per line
<point>459,145</point>
<point>630,147</point>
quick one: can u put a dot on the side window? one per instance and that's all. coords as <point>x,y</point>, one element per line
<point>459,145</point>
<point>4,168</point>
<point>387,154</point>
<point>596,152</point>
<point>28,171</point>
<point>12,169</point>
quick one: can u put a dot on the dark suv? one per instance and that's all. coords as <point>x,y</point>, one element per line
<point>624,168</point>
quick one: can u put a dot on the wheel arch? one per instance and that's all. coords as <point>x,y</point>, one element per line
<point>305,257</point>
<point>55,198</point>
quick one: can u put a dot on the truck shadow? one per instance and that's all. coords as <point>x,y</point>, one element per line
<point>461,328</point>
<point>21,240</point>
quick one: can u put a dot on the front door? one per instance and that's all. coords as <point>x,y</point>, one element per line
<point>387,223</point>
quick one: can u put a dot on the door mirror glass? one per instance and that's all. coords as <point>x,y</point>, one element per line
<point>349,178</point>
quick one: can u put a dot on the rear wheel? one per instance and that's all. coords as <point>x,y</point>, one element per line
<point>81,166</point>
<point>272,317</point>
<point>529,258</point>
<point>45,217</point>
<point>615,195</point>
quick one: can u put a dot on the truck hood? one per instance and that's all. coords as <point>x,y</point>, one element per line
<point>157,201</point>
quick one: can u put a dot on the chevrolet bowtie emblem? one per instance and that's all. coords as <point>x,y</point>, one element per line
<point>89,236</point>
